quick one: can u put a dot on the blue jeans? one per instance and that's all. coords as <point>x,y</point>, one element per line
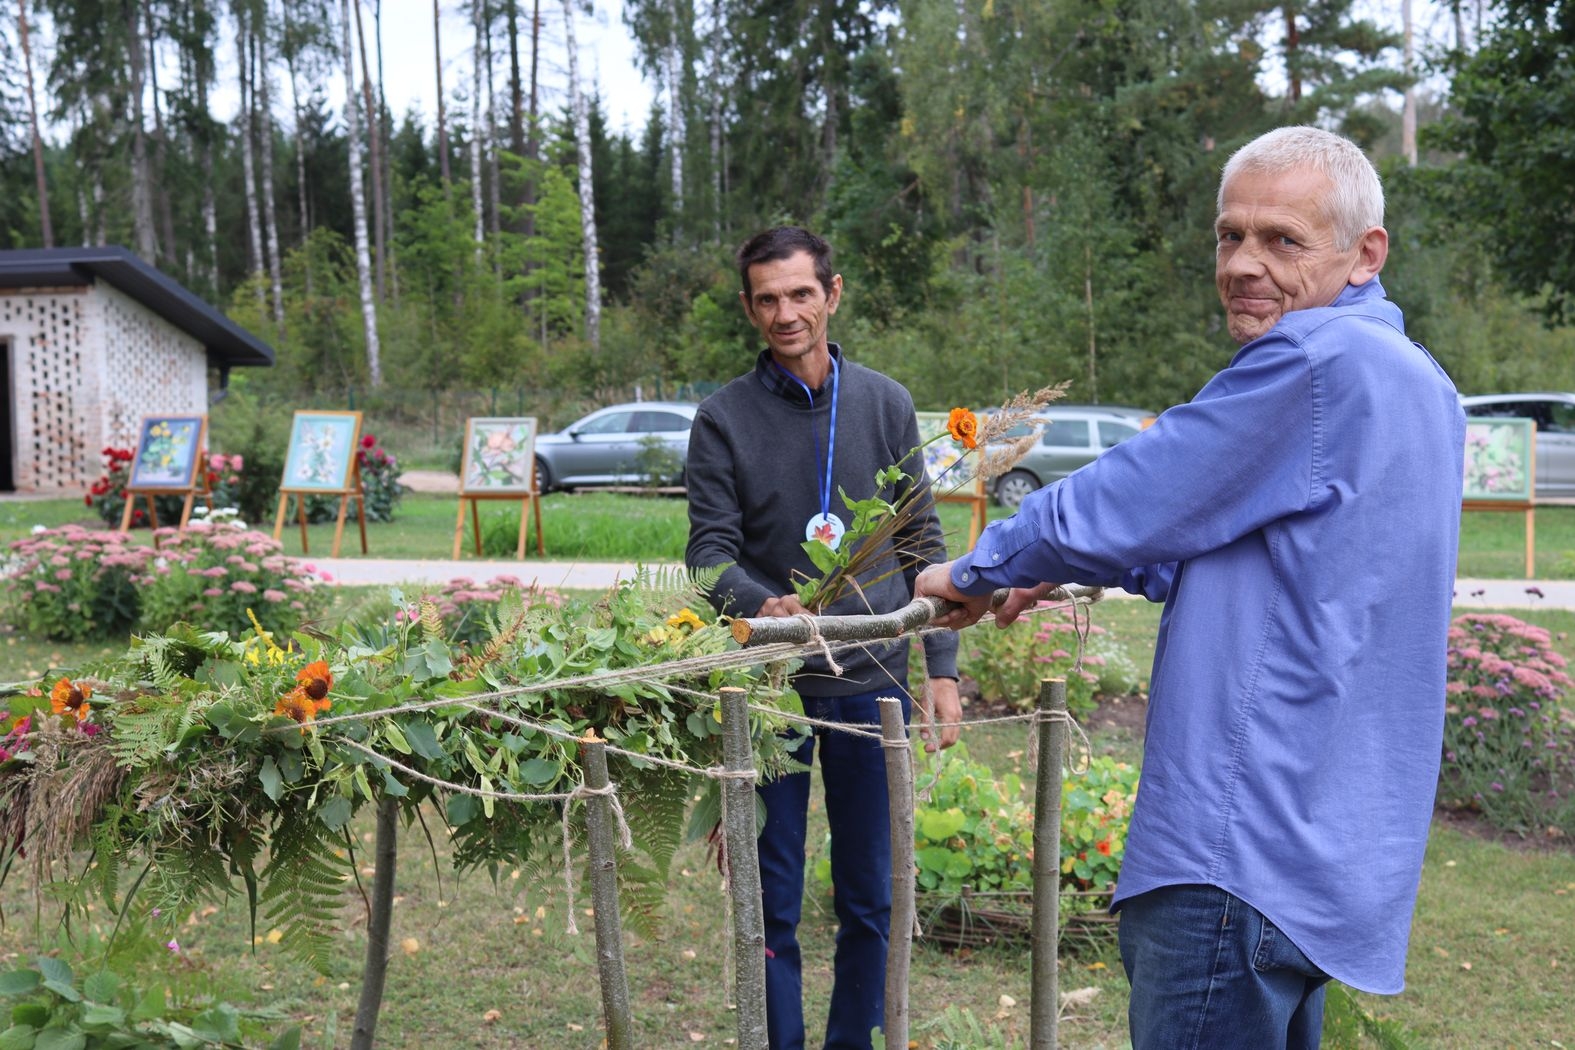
<point>1210,972</point>
<point>853,770</point>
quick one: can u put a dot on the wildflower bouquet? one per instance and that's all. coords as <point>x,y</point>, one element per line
<point>846,563</point>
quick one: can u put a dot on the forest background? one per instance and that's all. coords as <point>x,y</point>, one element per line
<point>1019,193</point>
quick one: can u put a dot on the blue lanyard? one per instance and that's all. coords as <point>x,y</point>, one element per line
<point>831,436</point>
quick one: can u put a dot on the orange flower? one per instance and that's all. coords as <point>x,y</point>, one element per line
<point>70,700</point>
<point>964,427</point>
<point>297,705</point>
<point>315,680</point>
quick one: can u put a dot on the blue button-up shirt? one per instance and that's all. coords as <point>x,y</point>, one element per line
<point>1299,519</point>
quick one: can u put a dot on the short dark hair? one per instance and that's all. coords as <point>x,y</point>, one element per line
<point>782,242</point>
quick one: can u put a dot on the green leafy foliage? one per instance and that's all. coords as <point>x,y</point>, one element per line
<point>1054,643</point>
<point>52,1010</point>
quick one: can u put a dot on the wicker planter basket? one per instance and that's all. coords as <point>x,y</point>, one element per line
<point>977,919</point>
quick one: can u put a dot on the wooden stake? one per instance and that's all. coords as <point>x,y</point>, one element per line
<point>1044,951</point>
<point>743,865</point>
<point>602,843</point>
<point>899,790</point>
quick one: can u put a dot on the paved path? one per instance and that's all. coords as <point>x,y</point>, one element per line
<point>1469,594</point>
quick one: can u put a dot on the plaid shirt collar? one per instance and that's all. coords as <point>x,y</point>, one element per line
<point>785,386</point>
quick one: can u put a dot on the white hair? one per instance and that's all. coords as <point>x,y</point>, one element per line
<point>1354,205</point>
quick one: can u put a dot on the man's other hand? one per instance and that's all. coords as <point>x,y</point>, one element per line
<point>940,706</point>
<point>782,605</point>
<point>935,581</point>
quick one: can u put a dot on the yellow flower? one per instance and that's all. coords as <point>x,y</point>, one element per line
<point>70,700</point>
<point>963,426</point>
<point>685,618</point>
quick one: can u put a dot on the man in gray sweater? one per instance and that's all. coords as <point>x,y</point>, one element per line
<point>767,456</point>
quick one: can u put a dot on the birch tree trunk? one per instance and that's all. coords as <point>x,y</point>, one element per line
<point>270,209</point>
<point>385,123</point>
<point>210,209</point>
<point>160,180</point>
<point>363,264</point>
<point>582,147</point>
<point>46,228</point>
<point>442,119</point>
<point>141,175</point>
<point>678,132</point>
<point>373,122</point>
<point>716,119</point>
<point>1408,114</point>
<point>475,130</point>
<point>248,167</point>
<point>494,172</point>
<point>302,201</point>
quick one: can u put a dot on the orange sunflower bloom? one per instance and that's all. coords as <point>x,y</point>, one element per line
<point>70,700</point>
<point>297,705</point>
<point>964,427</point>
<point>315,680</point>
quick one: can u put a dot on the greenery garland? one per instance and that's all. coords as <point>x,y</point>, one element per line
<point>197,763</point>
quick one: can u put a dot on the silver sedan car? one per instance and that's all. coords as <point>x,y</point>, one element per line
<point>617,445</point>
<point>1073,436</point>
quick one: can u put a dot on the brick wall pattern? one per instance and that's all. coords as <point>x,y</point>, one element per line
<point>86,365</point>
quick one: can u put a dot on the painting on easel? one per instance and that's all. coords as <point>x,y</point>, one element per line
<point>168,449</point>
<point>500,455</point>
<point>322,451</point>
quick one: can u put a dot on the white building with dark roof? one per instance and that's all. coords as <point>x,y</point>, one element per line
<point>92,340</point>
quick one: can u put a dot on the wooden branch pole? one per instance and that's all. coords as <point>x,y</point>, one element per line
<point>763,630</point>
<point>385,856</point>
<point>602,843</point>
<point>743,866</point>
<point>1044,950</point>
<point>899,790</point>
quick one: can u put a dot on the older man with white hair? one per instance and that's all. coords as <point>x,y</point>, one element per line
<point>1299,520</point>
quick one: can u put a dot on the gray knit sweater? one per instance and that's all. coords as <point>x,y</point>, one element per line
<point>756,455</point>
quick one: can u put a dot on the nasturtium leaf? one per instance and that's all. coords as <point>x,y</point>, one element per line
<point>939,825</point>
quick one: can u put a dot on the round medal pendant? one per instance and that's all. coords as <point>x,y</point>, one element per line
<point>827,528</point>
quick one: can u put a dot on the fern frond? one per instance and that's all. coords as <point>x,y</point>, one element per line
<point>302,885</point>
<point>656,820</point>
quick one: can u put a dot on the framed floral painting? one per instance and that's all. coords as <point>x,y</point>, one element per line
<point>939,456</point>
<point>168,451</point>
<point>1499,459</point>
<point>322,451</point>
<point>500,455</point>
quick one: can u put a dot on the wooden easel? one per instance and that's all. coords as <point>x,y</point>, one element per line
<point>354,491</point>
<point>195,485</point>
<point>979,511</point>
<point>526,501</point>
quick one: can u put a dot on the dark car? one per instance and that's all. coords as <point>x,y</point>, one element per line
<point>1554,414</point>
<point>634,443</point>
<point>1073,436</point>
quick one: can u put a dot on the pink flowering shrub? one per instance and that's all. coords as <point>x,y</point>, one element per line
<point>1008,664</point>
<point>210,575</point>
<point>1509,748</point>
<point>471,611</point>
<point>72,584</point>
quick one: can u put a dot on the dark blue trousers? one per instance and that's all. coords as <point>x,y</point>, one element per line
<point>853,770</point>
